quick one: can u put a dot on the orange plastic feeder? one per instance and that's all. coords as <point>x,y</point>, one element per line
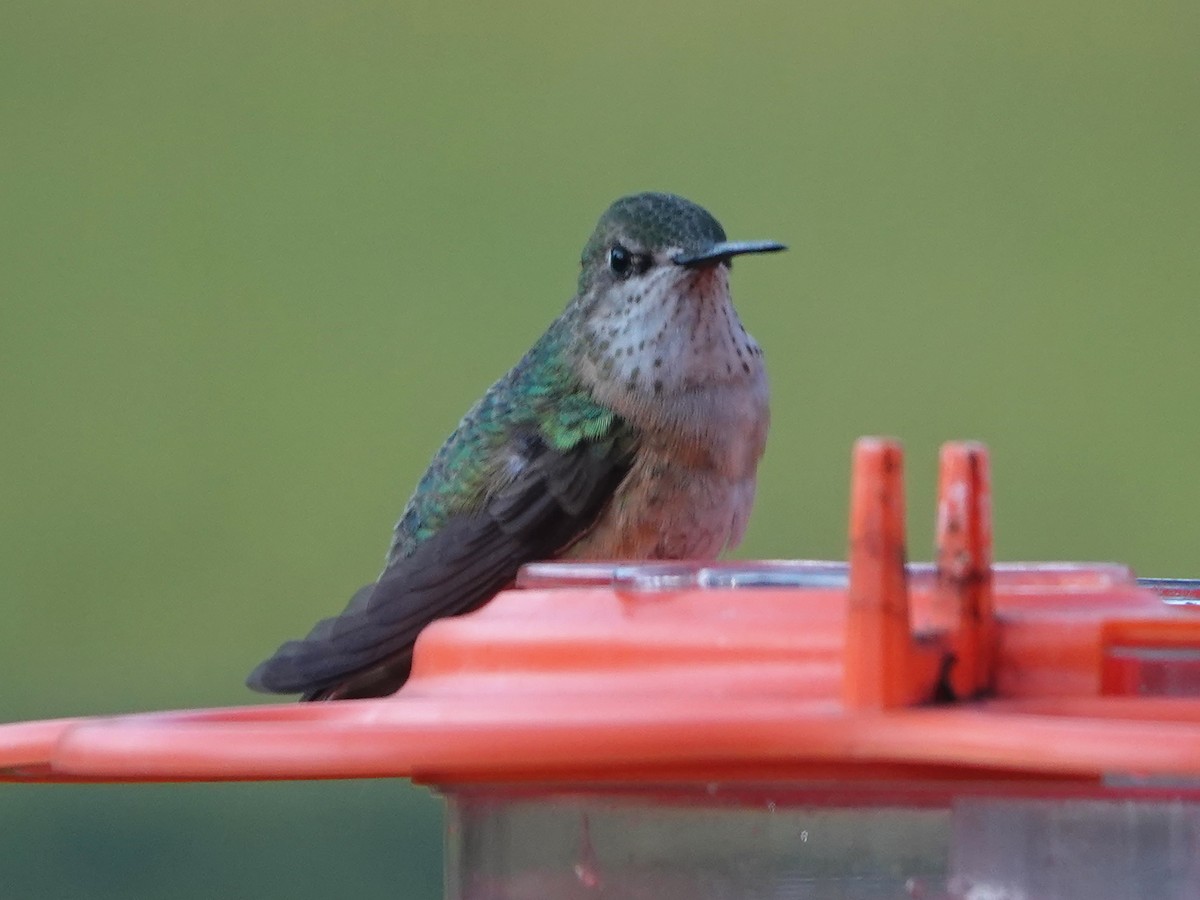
<point>778,729</point>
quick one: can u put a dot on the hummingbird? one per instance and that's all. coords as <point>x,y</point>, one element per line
<point>632,429</point>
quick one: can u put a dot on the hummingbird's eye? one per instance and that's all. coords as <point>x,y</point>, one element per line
<point>625,263</point>
<point>620,260</point>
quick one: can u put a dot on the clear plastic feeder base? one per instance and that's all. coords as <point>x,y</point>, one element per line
<point>735,843</point>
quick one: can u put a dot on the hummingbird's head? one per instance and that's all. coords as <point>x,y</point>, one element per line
<point>653,315</point>
<point>656,239</point>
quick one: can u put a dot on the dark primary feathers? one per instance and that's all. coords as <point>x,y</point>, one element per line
<point>366,651</point>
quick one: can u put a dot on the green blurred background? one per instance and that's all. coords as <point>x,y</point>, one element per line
<point>257,258</point>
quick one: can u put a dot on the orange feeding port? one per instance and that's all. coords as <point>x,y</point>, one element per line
<point>786,729</point>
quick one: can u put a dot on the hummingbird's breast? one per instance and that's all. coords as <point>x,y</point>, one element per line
<point>683,371</point>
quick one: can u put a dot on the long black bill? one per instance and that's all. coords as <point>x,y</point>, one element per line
<point>723,250</point>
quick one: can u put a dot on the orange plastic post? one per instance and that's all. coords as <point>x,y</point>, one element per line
<point>963,602</point>
<point>878,638</point>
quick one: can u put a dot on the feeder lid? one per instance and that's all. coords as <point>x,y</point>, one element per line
<point>734,671</point>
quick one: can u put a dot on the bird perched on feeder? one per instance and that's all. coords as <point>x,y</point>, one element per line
<point>631,430</point>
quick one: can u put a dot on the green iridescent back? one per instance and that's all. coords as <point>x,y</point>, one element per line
<point>539,395</point>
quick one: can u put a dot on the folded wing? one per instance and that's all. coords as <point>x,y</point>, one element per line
<point>552,499</point>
